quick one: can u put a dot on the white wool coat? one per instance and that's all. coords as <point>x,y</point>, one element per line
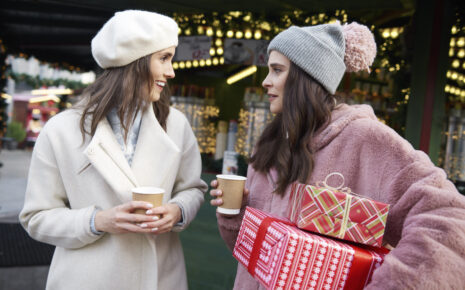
<point>68,179</point>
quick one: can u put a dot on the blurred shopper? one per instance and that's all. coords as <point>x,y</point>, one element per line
<point>33,129</point>
<point>87,159</point>
<point>312,136</point>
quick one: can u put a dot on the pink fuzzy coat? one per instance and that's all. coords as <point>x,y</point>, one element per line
<point>426,222</point>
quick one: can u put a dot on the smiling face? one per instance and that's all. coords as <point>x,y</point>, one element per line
<point>162,70</point>
<point>278,70</point>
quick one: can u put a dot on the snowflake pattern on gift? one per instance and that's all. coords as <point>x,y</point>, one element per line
<point>291,259</point>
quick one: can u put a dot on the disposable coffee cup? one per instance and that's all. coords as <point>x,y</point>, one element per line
<point>232,187</point>
<point>153,195</point>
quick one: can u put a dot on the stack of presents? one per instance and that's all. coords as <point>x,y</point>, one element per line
<point>332,240</point>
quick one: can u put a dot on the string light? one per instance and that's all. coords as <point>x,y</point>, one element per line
<point>219,51</point>
<point>461,42</point>
<point>386,33</point>
<point>257,34</point>
<point>52,92</point>
<point>239,34</point>
<point>230,34</point>
<point>242,74</point>
<point>188,64</point>
<point>50,97</point>
<point>209,31</point>
<point>461,53</point>
<point>248,34</point>
<point>6,96</point>
<point>195,63</point>
<point>182,65</point>
<point>218,42</point>
<point>212,51</point>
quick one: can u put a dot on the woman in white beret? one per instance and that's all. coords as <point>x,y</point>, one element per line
<point>123,134</point>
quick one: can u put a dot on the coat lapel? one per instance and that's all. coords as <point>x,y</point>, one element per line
<point>106,156</point>
<point>156,158</point>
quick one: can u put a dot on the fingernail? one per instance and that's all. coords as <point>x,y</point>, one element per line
<point>154,229</point>
<point>155,218</point>
<point>148,212</point>
<point>149,205</point>
<point>143,225</point>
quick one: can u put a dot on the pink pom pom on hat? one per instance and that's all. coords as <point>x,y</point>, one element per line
<point>360,47</point>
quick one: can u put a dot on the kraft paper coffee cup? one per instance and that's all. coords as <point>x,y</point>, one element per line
<point>153,195</point>
<point>232,187</point>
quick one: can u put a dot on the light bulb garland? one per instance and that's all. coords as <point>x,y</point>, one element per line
<point>455,85</point>
<point>242,25</point>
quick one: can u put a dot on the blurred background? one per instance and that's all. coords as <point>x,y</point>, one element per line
<point>416,86</point>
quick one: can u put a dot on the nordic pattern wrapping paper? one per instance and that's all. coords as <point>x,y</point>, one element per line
<point>281,256</point>
<point>331,212</point>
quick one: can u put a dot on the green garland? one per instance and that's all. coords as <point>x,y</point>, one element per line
<point>36,82</point>
<point>3,79</point>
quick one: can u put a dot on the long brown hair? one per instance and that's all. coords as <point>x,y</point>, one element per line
<point>284,144</point>
<point>127,89</point>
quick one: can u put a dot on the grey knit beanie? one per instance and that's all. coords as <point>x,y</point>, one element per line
<point>326,51</point>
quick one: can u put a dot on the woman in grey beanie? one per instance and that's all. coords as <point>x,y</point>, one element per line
<point>88,159</point>
<point>312,136</point>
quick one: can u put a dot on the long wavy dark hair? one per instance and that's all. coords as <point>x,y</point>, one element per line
<point>127,89</point>
<point>284,144</point>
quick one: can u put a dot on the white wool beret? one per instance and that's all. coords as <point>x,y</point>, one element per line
<point>132,34</point>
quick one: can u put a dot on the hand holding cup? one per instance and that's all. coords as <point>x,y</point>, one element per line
<point>152,195</point>
<point>230,194</point>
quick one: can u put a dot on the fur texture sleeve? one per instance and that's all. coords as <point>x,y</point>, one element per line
<point>426,223</point>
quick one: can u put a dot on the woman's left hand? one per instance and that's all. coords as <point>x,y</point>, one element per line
<point>170,215</point>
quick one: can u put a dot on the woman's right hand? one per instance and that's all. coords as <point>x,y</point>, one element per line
<point>122,219</point>
<point>217,194</point>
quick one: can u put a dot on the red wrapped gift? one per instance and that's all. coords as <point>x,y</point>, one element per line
<point>281,256</point>
<point>337,212</point>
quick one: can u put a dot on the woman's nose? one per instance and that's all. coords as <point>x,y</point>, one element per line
<point>266,83</point>
<point>169,74</point>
